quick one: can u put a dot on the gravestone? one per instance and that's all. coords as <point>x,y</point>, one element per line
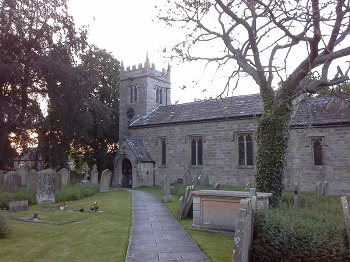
<point>325,188</point>
<point>74,175</point>
<point>12,179</point>
<point>94,176</point>
<point>23,172</point>
<point>318,188</point>
<point>187,178</point>
<point>202,180</point>
<point>32,179</point>
<point>86,170</point>
<point>106,177</point>
<point>166,195</point>
<point>17,206</point>
<point>65,177</point>
<point>217,186</point>
<point>46,187</point>
<point>296,195</point>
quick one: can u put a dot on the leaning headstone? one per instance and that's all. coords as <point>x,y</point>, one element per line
<point>23,172</point>
<point>296,195</point>
<point>318,188</point>
<point>188,201</point>
<point>12,179</point>
<point>94,176</point>
<point>217,186</point>
<point>17,206</point>
<point>187,178</point>
<point>325,188</point>
<point>65,177</point>
<point>45,193</point>
<point>346,215</point>
<point>106,177</point>
<point>32,179</point>
<point>166,195</point>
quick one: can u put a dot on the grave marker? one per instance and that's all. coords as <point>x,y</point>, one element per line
<point>65,177</point>
<point>346,216</point>
<point>32,179</point>
<point>46,187</point>
<point>17,206</point>
<point>94,176</point>
<point>12,179</point>
<point>23,172</point>
<point>166,195</point>
<point>105,180</point>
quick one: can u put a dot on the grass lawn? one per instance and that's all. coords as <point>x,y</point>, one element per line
<point>70,235</point>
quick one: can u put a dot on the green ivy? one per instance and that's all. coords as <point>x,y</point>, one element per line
<point>272,142</point>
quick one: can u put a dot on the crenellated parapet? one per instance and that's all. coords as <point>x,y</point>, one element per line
<point>142,70</point>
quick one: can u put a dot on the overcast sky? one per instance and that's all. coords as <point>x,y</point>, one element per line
<point>129,29</point>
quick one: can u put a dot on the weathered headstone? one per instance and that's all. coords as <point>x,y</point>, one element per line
<point>12,179</point>
<point>86,170</point>
<point>318,188</point>
<point>23,172</point>
<point>58,182</point>
<point>94,176</point>
<point>74,175</point>
<point>188,201</point>
<point>346,216</point>
<point>17,206</point>
<point>217,186</point>
<point>187,178</point>
<point>325,188</point>
<point>105,182</point>
<point>166,195</point>
<point>65,177</point>
<point>181,208</point>
<point>202,180</point>
<point>296,189</point>
<point>32,179</point>
<point>46,187</point>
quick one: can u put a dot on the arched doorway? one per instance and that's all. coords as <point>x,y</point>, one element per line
<point>127,173</point>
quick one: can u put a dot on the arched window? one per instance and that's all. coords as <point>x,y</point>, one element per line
<point>317,151</point>
<point>196,151</point>
<point>245,150</point>
<point>163,143</point>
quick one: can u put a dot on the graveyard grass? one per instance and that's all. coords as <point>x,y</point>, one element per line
<point>217,247</point>
<point>101,236</point>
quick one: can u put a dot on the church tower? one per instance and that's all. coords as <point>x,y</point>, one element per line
<point>142,89</point>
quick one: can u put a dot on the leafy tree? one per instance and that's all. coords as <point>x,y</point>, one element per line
<point>101,70</point>
<point>35,36</point>
<point>267,40</point>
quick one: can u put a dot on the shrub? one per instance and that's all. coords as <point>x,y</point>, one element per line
<point>17,194</point>
<point>4,228</point>
<point>76,192</point>
<point>316,232</point>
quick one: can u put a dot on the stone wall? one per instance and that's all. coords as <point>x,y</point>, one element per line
<point>220,151</point>
<point>336,164</point>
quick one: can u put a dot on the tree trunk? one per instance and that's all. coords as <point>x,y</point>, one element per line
<point>272,142</point>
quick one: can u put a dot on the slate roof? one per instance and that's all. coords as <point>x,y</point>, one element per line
<point>322,111</point>
<point>140,150</point>
<point>208,110</point>
<point>309,112</point>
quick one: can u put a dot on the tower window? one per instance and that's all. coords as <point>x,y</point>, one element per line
<point>245,150</point>
<point>197,151</point>
<point>133,94</point>
<point>159,95</point>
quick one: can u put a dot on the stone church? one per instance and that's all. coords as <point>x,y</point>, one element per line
<point>216,138</point>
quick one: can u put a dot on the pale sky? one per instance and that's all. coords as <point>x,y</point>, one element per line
<point>127,30</point>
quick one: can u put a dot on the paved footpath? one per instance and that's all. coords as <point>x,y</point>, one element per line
<point>156,235</point>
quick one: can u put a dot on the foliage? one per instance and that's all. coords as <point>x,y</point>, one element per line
<point>17,194</point>
<point>316,232</point>
<point>38,41</point>
<point>260,39</point>
<point>4,228</point>
<point>76,192</point>
<point>342,90</point>
<point>101,70</point>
